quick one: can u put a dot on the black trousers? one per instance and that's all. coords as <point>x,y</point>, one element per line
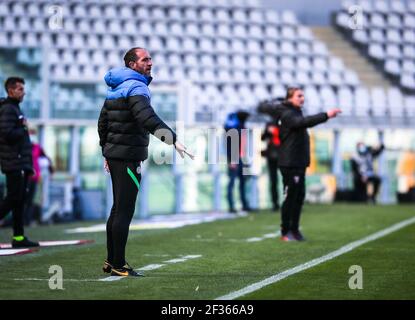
<point>126,178</point>
<point>294,191</point>
<point>29,208</point>
<point>16,184</point>
<point>375,181</point>
<point>273,178</point>
<point>236,173</point>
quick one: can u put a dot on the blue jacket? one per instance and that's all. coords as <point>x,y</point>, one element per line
<point>127,118</point>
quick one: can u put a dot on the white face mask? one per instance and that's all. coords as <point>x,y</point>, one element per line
<point>362,149</point>
<point>34,138</point>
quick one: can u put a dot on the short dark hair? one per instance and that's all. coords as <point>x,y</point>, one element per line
<point>11,82</point>
<point>131,56</point>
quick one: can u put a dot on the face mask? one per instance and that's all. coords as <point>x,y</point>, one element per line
<point>361,149</point>
<point>34,139</point>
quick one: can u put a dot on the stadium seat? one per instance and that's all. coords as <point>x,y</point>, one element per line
<point>409,21</point>
<point>287,48</point>
<point>377,21</point>
<point>31,40</point>
<point>288,18</point>
<point>304,49</point>
<point>222,15</point>
<point>397,6</point>
<point>270,62</point>
<point>192,30</point>
<point>125,12</point>
<point>318,78</point>
<point>376,51</point>
<point>409,102</point>
<point>393,67</point>
<point>335,79</point>
<point>206,45</point>
<point>408,66</point>
<point>16,40</point>
<point>320,49</point>
<point>302,78</point>
<point>287,63</point>
<point>360,36</point>
<point>395,102</point>
<point>158,14</point>
<point>224,61</point>
<point>99,26</point>
<point>222,46</point>
<point>362,102</point>
<point>320,64</point>
<point>346,101</point>
<point>272,17</point>
<point>336,64</point>
<point>208,30</point>
<point>408,51</point>
<point>271,47</point>
<point>408,81</point>
<point>190,14</point>
<point>393,51</point>
<point>381,6</point>
<point>255,62</point>
<point>271,77</point>
<point>328,97</point>
<point>178,74</point>
<point>304,64</point>
<point>239,76</point>
<point>288,32</point>
<point>379,102</point>
<point>304,33</point>
<point>287,78</point>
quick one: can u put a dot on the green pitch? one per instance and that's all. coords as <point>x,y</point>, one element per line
<point>224,261</point>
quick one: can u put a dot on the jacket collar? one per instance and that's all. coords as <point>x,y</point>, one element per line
<point>12,101</point>
<point>290,106</point>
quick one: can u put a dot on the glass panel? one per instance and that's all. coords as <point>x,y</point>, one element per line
<point>91,158</point>
<point>57,146</point>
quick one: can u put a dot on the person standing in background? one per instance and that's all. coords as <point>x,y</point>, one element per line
<point>271,136</point>
<point>236,148</point>
<point>15,158</point>
<point>364,161</point>
<point>37,154</point>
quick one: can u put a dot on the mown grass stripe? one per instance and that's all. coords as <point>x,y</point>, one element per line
<point>347,248</point>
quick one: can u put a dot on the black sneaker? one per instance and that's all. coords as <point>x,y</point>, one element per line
<point>298,236</point>
<point>25,243</point>
<point>125,271</point>
<point>107,267</point>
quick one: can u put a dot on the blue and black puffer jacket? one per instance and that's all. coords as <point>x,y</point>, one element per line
<point>127,118</point>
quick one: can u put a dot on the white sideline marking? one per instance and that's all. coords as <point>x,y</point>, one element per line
<point>69,280</point>
<point>154,266</point>
<point>265,236</point>
<point>347,248</point>
<point>151,267</point>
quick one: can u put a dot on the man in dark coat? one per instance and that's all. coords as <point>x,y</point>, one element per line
<point>236,151</point>
<point>15,158</point>
<point>125,123</point>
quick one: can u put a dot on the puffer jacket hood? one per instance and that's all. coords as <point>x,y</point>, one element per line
<point>117,76</point>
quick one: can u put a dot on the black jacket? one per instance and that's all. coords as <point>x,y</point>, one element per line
<point>294,150</point>
<point>127,118</point>
<point>15,146</point>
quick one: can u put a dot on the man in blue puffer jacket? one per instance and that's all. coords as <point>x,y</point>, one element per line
<point>124,125</point>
